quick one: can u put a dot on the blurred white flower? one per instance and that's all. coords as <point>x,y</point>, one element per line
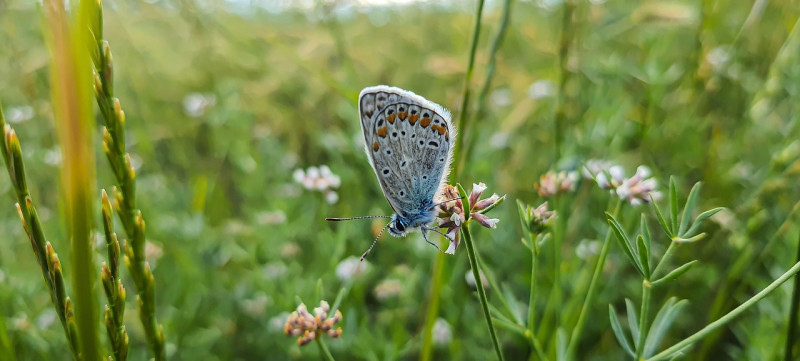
<point>256,306</point>
<point>500,97</point>
<point>470,279</point>
<point>442,332</point>
<point>277,322</point>
<point>638,189</point>
<point>350,268</point>
<point>718,57</point>
<point>152,251</point>
<point>388,288</point>
<point>587,248</point>
<point>319,179</point>
<point>53,156</point>
<point>196,104</point>
<point>46,319</point>
<point>274,270</point>
<point>290,250</point>
<point>552,183</point>
<point>541,89</point>
<point>499,140</point>
<point>271,217</point>
<point>19,114</point>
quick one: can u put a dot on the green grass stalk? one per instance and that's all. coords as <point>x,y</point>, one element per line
<point>324,353</point>
<point>125,192</point>
<point>592,290</point>
<point>791,332</point>
<point>705,331</point>
<point>68,42</point>
<point>564,43</point>
<point>473,261</point>
<point>644,318</point>
<point>437,278</point>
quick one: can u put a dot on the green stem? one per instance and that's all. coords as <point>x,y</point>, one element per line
<point>532,299</point>
<point>433,306</point>
<point>664,259</point>
<point>473,261</point>
<point>462,116</point>
<point>644,317</point>
<point>592,291</point>
<point>558,238</point>
<point>324,353</point>
<point>438,264</point>
<point>728,317</point>
<point>791,333</point>
<point>563,54</point>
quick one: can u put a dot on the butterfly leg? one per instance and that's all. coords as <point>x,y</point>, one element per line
<point>426,228</point>
<point>425,235</point>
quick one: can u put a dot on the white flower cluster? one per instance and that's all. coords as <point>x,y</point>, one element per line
<point>319,179</point>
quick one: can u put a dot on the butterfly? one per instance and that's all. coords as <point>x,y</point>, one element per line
<point>409,143</point>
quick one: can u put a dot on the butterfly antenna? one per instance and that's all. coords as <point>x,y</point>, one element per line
<point>425,235</point>
<point>375,241</point>
<point>443,202</point>
<point>352,218</point>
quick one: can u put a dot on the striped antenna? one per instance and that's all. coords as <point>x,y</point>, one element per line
<point>352,218</point>
<point>375,241</point>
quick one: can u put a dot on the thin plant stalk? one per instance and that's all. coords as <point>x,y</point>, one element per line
<point>491,69</point>
<point>473,261</point>
<point>592,290</point>
<point>791,333</point>
<point>438,264</point>
<point>564,43</point>
<point>667,254</point>
<point>325,354</point>
<point>644,317</point>
<point>125,192</point>
<point>68,41</point>
<point>705,331</point>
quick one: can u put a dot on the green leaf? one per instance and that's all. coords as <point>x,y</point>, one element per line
<point>660,217</point>
<point>664,319</point>
<point>511,303</point>
<point>648,239</point>
<point>493,206</point>
<point>673,205</point>
<point>644,256</point>
<point>523,216</point>
<point>618,333</point>
<point>633,324</point>
<point>622,239</point>
<point>526,242</point>
<point>464,201</point>
<point>688,209</point>
<point>674,274</point>
<point>701,218</point>
<point>561,344</point>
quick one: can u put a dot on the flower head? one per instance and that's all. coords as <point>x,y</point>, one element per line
<point>301,323</point>
<point>540,218</point>
<point>319,179</point>
<point>638,188</point>
<point>552,183</point>
<point>452,217</point>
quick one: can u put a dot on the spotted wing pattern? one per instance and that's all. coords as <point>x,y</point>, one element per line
<point>409,143</point>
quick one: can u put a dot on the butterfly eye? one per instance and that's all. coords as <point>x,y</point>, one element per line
<point>399,226</point>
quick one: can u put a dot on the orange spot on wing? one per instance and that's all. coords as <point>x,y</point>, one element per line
<point>425,122</point>
<point>402,115</point>
<point>446,135</point>
<point>413,118</point>
<point>381,132</point>
<point>375,147</point>
<point>441,129</point>
<point>390,118</point>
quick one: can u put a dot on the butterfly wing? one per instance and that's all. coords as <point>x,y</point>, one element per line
<point>409,144</point>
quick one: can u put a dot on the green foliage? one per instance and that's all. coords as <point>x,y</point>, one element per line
<point>224,102</point>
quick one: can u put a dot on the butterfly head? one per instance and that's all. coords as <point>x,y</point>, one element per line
<point>399,226</point>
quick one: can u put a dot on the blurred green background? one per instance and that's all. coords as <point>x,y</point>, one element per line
<point>225,100</point>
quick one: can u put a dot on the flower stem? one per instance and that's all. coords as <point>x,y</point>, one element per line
<point>592,291</point>
<point>563,54</point>
<point>473,261</point>
<point>644,317</point>
<point>664,258</point>
<point>663,355</point>
<point>462,115</point>
<point>791,333</point>
<point>324,353</point>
